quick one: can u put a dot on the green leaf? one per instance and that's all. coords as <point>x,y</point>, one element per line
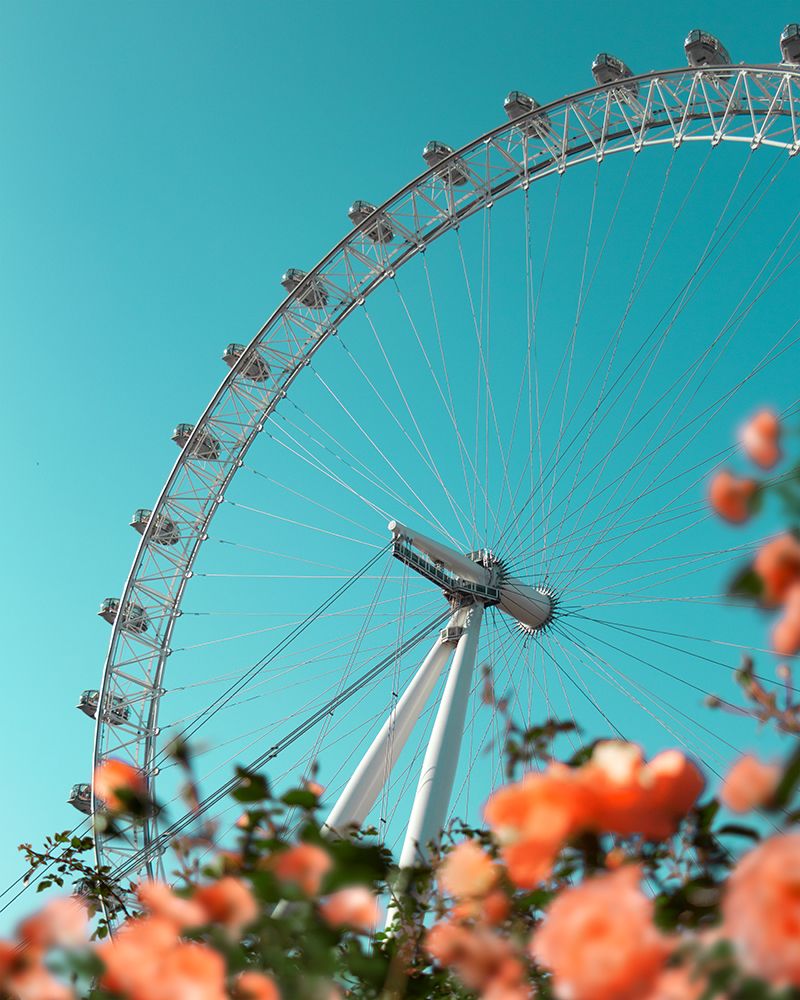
<point>788,783</point>
<point>746,585</point>
<point>251,787</point>
<point>300,797</point>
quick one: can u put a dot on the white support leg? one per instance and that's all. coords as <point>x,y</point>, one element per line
<point>435,787</point>
<point>368,779</point>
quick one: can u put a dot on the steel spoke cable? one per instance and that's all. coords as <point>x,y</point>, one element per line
<point>683,300</point>
<point>719,404</point>
<point>681,380</point>
<point>636,289</point>
<point>175,828</point>
<point>435,315</point>
<point>388,462</point>
<point>726,327</point>
<point>605,670</point>
<point>462,449</point>
<point>315,503</point>
<point>709,413</point>
<point>482,367</point>
<point>426,458</point>
<point>234,689</point>
<point>655,329</point>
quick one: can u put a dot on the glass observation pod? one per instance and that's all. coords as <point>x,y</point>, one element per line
<point>608,69</point>
<point>518,104</point>
<point>165,531</point>
<point>89,700</point>
<point>134,619</point>
<point>80,796</point>
<point>87,890</point>
<point>703,49</point>
<point>456,171</point>
<point>379,231</point>
<point>312,295</point>
<point>255,368</point>
<point>204,446</point>
<point>790,44</point>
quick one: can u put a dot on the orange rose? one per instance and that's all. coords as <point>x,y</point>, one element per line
<point>190,970</point>
<point>227,901</point>
<point>467,871</point>
<point>598,939</point>
<point>159,899</point>
<point>635,797</point>
<point>732,497</point>
<point>760,439</point>
<point>115,776</point>
<point>480,958</point>
<point>491,909</point>
<point>777,563</point>
<point>761,910</point>
<point>749,784</point>
<point>679,984</point>
<point>255,986</point>
<point>304,865</point>
<point>132,958</point>
<point>534,817</point>
<point>61,923</point>
<point>354,907</point>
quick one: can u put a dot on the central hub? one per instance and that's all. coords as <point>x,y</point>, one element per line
<point>479,576</point>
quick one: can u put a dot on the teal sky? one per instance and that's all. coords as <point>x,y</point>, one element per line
<point>161,165</point>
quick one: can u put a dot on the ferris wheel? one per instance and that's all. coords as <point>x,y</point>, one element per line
<point>464,461</point>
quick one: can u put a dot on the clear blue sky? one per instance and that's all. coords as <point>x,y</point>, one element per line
<point>162,164</point>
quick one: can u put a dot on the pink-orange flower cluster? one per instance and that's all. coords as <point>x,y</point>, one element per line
<point>616,791</point>
<point>599,942</point>
<point>116,781</point>
<point>760,438</point>
<point>354,907</point>
<point>62,923</point>
<point>732,497</point>
<point>749,784</point>
<point>481,959</point>
<point>761,910</point>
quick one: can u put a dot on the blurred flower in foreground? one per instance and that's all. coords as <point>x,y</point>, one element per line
<point>760,438</point>
<point>749,784</point>
<point>786,631</point>
<point>599,941</point>
<point>119,785</point>
<point>255,986</point>
<point>761,910</point>
<point>732,497</point>
<point>777,563</point>
<point>304,865</point>
<point>355,907</point>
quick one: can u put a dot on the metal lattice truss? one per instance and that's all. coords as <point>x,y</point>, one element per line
<point>754,105</point>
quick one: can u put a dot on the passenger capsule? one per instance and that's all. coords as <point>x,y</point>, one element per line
<point>205,446</point>
<point>80,796</point>
<point>89,700</point>
<point>379,230</point>
<point>703,49</point>
<point>790,44</point>
<point>87,889</point>
<point>518,104</point>
<point>455,172</point>
<point>134,618</point>
<point>165,531</point>
<point>608,69</point>
<point>255,367</point>
<point>312,295</point>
